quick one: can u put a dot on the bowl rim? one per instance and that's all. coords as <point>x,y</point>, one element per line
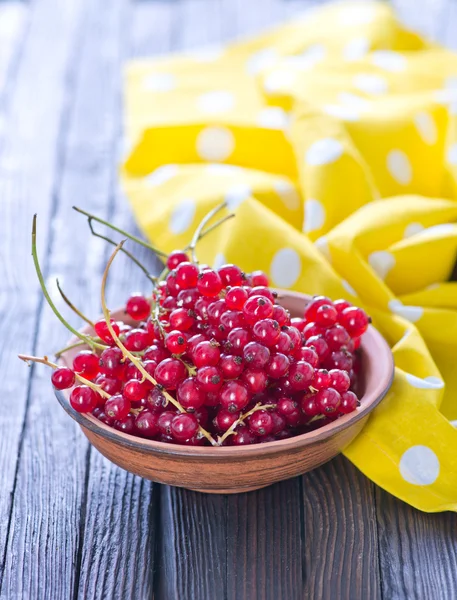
<point>372,342</point>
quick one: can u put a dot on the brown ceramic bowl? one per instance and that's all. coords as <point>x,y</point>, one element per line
<point>230,470</point>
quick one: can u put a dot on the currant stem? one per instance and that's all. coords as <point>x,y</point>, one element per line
<point>212,228</point>
<point>128,354</point>
<point>134,238</point>
<point>233,426</point>
<point>59,353</point>
<point>78,334</point>
<point>73,307</point>
<point>197,235</point>
<point>45,361</point>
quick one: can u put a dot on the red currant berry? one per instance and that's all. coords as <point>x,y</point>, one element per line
<point>118,407</point>
<point>355,321</point>
<point>267,331</point>
<point>218,333</point>
<point>201,307</point>
<point>295,338</point>
<point>127,425</point>
<point>309,405</point>
<point>255,380</point>
<point>300,375</point>
<point>341,359</point>
<point>134,390</point>
<point>349,402</point>
<point>146,423</point>
<point>225,419</point>
<point>170,372</point>
<point>164,421</point>
<point>181,319</point>
<point>341,305</point>
<point>112,363</point>
<point>281,315</point>
<point>209,283</point>
<point>278,365</point>
<point>155,400</point>
<point>259,278</point>
<point>337,337</point>
<point>321,379</point>
<point>108,384</point>
<point>215,310</point>
<point>237,339</point>
<point>209,379</point>
<point>176,258</point>
<point>298,323</point>
<point>256,355</point>
<point>187,298</point>
<point>104,418</point>
<point>202,416</point>
<point>184,426</point>
<point>234,396</point>
<point>169,303</point>
<point>230,275</point>
<point>308,355</point>
<point>176,342</point>
<point>328,401</point>
<point>86,364</point>
<point>137,340</point>
<point>257,308</point>
<point>284,344</point>
<point>206,354</point>
<point>326,316</point>
<point>356,343</point>
<point>101,329</point>
<point>260,423</point>
<point>286,406</point>
<point>320,346</point>
<point>63,378</point>
<point>231,319</point>
<point>173,288</point>
<point>236,297</point>
<point>311,329</point>
<point>316,302</point>
<point>186,275</point>
<point>279,422</point>
<point>156,352</point>
<point>138,307</point>
<point>231,366</point>
<point>339,380</point>
<point>261,290</point>
<point>189,395</point>
<point>243,437</point>
<point>83,399</point>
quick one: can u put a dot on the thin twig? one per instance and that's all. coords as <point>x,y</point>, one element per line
<point>212,228</point>
<point>129,355</point>
<point>200,228</point>
<point>243,417</point>
<point>59,353</point>
<point>73,307</point>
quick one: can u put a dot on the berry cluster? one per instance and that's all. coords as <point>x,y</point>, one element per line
<point>225,360</point>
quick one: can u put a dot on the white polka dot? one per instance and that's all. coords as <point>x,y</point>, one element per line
<point>308,59</point>
<point>382,262</point>
<point>215,143</point>
<point>345,113</point>
<point>452,154</point>
<point>314,215</point>
<point>450,82</point>
<point>237,194</point>
<point>279,81</point>
<point>419,465</point>
<point>453,423</point>
<point>273,117</point>
<point>324,151</point>
<point>399,167</point>
<point>323,247</point>
<point>352,16</point>
<point>433,286</point>
<point>221,170</point>
<point>412,229</point>
<point>182,216</point>
<point>219,260</point>
<point>285,268</point>
<point>370,84</point>
<point>389,60</point>
<point>216,102</point>
<point>263,59</point>
<point>208,54</point>
<point>288,193</point>
<point>356,49</point>
<point>426,127</point>
<point>410,313</point>
<point>161,175</point>
<point>441,230</point>
<point>353,101</point>
<point>159,82</point>
<point>348,287</point>
<point>426,383</point>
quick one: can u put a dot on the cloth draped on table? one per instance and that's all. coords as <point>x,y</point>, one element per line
<point>334,139</point>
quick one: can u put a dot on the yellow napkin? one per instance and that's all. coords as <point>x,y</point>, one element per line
<point>334,139</point>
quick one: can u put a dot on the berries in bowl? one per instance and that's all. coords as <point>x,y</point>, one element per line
<point>219,383</point>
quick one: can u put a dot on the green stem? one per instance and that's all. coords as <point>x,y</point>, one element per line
<point>59,353</point>
<point>78,334</point>
<point>197,235</point>
<point>243,417</point>
<point>73,307</point>
<point>212,228</point>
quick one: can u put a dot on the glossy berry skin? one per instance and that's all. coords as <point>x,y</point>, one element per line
<point>164,421</point>
<point>234,396</point>
<point>255,380</point>
<point>300,375</point>
<point>108,384</point>
<point>326,316</point>
<point>231,366</point>
<point>189,395</point>
<point>311,329</point>
<point>257,308</point>
<point>341,359</point>
<point>137,340</point>
<point>181,319</point>
<point>117,407</point>
<point>337,337</point>
<point>209,283</point>
<point>231,319</point>
<point>237,339</point>
<point>349,402</point>
<point>138,307</point>
<point>328,400</point>
<point>170,372</point>
<point>341,305</point>
<point>101,329</point>
<point>111,363</point>
<point>201,307</point>
<point>184,426</point>
<point>86,364</point>
<point>316,302</point>
<point>155,400</point>
<point>169,303</point>
<point>242,437</point>
<point>286,406</point>
<point>309,405</point>
<point>156,352</point>
<point>173,288</point>
<point>284,345</point>
<point>176,258</point>
<point>277,366</point>
<point>298,323</point>
<point>225,419</point>
<point>236,297</point>
<point>339,380</point>
<point>206,354</point>
<point>176,342</point>
<point>281,315</point>
<point>256,355</point>
<point>355,321</point>
<point>261,290</point>
<point>321,379</point>
<point>320,346</point>
<point>278,420</point>
<point>209,379</point>
<point>187,298</point>
<point>259,278</point>
<point>230,275</point>
<point>309,355</point>
<point>186,275</point>
<point>267,331</point>
<point>83,399</point>
<point>127,425</point>
<point>147,424</point>
<point>260,423</point>
<point>63,378</point>
<point>134,390</point>
<point>295,337</point>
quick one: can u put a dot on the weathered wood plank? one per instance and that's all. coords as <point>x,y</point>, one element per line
<point>13,21</point>
<point>29,158</point>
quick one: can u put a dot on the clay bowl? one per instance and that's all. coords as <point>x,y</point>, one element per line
<point>230,470</point>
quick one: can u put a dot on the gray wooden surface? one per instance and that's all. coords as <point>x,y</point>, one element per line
<point>72,525</point>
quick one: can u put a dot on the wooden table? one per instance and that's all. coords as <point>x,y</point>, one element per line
<point>72,525</point>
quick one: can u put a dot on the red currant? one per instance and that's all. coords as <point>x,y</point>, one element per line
<point>209,379</point>
<point>209,283</point>
<point>278,365</point>
<point>186,275</point>
<point>112,363</point>
<point>189,395</point>
<point>108,384</point>
<point>255,380</point>
<point>101,329</point>
<point>215,310</point>
<point>164,421</point>
<point>156,352</point>
<point>206,354</point>
<point>309,405</point>
<point>236,297</point>
<point>230,275</point>
<point>63,378</point>
<point>182,319</point>
<point>308,355</point>
<point>231,319</point>
<point>138,307</point>
<point>256,355</point>
<point>86,364</point>
<point>300,375</point>
<point>146,423</point>
<point>261,290</point>
<point>237,339</point>
<point>176,258</point>
<point>170,372</point>
<point>234,396</point>
<point>83,399</point>
<point>326,316</point>
<point>328,400</point>
<point>259,278</point>
<point>118,407</point>
<point>231,366</point>
<point>127,425</point>
<point>284,344</point>
<point>340,305</point>
<point>134,390</point>
<point>337,337</point>
<point>225,419</point>
<point>340,359</point>
<point>321,379</point>
<point>173,288</point>
<point>243,437</point>
<point>267,331</point>
<point>184,426</point>
<point>137,340</point>
<point>339,380</point>
<point>257,308</point>
<point>281,315</point>
<point>176,342</point>
<point>349,402</point>
<point>320,346</point>
<point>355,321</point>
<point>260,423</point>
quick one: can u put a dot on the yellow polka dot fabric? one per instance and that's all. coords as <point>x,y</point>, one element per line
<point>334,139</point>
